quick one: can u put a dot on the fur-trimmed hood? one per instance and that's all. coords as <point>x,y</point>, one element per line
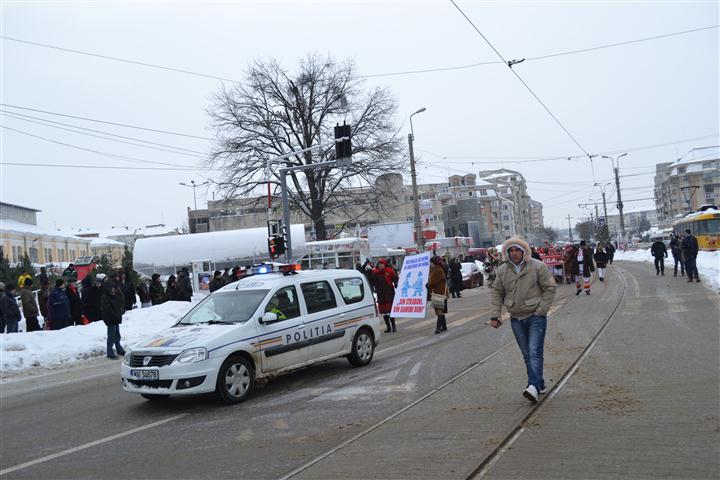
<point>520,243</point>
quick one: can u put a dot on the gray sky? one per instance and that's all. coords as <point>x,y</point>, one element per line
<point>611,99</point>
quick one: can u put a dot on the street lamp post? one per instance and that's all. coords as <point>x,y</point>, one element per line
<point>419,243</point>
<point>194,185</point>
<point>616,167</point>
<point>602,190</point>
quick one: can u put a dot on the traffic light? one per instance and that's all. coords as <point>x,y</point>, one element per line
<point>343,149</point>
<point>272,247</point>
<point>279,245</point>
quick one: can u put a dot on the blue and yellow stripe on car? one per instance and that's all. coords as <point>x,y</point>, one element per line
<point>269,342</point>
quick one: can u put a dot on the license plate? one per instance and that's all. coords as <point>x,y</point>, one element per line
<point>145,374</point>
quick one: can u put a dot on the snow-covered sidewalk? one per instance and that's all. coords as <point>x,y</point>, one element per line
<point>34,350</point>
<point>708,263</point>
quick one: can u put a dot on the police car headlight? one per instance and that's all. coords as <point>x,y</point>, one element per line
<point>192,355</point>
<point>126,357</point>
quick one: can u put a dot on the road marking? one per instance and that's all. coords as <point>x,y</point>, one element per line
<point>89,445</point>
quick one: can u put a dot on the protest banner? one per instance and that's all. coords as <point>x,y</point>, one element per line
<point>411,294</point>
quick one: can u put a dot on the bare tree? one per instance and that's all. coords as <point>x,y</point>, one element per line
<point>273,113</point>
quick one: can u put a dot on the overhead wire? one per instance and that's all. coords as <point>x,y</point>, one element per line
<point>109,167</point>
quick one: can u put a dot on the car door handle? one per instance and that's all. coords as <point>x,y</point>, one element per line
<point>300,327</point>
<point>342,315</point>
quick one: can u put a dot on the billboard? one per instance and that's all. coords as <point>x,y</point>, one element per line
<point>391,235</point>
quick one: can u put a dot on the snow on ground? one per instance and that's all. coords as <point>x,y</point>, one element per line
<point>708,263</point>
<point>51,348</point>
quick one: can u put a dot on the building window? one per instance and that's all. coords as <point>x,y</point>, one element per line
<point>33,254</point>
<point>506,217</point>
<point>48,255</point>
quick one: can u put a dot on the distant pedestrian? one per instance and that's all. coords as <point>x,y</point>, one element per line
<point>216,283</point>
<point>59,306</point>
<point>43,277</point>
<point>527,289</point>
<point>677,255</point>
<point>156,289</point>
<point>226,278</point>
<point>610,249</point>
<point>128,290</point>
<point>21,279</point>
<point>456,278</point>
<point>143,292</point>
<point>184,287</point>
<point>385,279</point>
<point>43,296</point>
<point>583,268</point>
<point>367,270</point>
<point>10,309</point>
<point>113,305</point>
<point>2,312</point>
<point>659,251</point>
<point>535,254</point>
<point>91,297</point>
<point>69,274</point>
<point>689,247</point>
<point>29,306</point>
<point>171,291</point>
<point>438,290</point>
<point>601,259</point>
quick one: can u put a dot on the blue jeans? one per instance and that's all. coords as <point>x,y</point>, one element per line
<point>113,338</point>
<point>530,336</point>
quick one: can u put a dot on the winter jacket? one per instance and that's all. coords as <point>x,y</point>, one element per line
<point>43,296</point>
<point>128,291</point>
<point>601,259</point>
<point>658,249</point>
<point>21,280</point>
<point>59,309</point>
<point>30,307</point>
<point>157,293</point>
<point>216,284</point>
<point>456,275</point>
<point>675,247</point>
<point>76,308</point>
<point>91,302</point>
<point>112,304</point>
<point>437,283</point>
<point>226,278</point>
<point>689,246</point>
<point>587,266</point>
<point>171,293</point>
<point>184,287</point>
<point>143,293</point>
<point>43,277</point>
<point>10,308</point>
<point>527,292</point>
<point>384,280</point>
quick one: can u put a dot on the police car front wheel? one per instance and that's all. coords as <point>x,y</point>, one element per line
<point>236,379</point>
<point>363,348</point>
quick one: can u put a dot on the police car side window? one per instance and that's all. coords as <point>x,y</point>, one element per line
<point>351,289</point>
<point>318,296</point>
<point>284,303</point>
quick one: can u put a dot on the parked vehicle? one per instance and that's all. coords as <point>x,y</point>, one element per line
<point>472,276</point>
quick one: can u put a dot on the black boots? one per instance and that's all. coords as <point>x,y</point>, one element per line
<point>441,325</point>
<point>392,322</point>
<point>388,328</point>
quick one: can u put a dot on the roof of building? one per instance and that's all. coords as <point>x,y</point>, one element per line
<point>701,154</point>
<point>19,206</point>
<point>105,242</point>
<point>18,227</point>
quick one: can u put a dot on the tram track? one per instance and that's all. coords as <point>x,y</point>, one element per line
<point>514,433</point>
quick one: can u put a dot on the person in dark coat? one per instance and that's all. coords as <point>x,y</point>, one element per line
<point>385,278</point>
<point>583,266</point>
<point>226,278</point>
<point>689,248</point>
<point>217,282</point>
<point>43,296</point>
<point>70,274</point>
<point>677,255</point>
<point>157,291</point>
<point>10,309</point>
<point>29,306</point>
<point>610,249</point>
<point>43,277</point>
<point>455,278</point>
<point>143,293</point>
<point>128,290</point>
<point>59,306</point>
<point>76,310</point>
<point>659,251</point>
<point>601,259</point>
<point>113,307</point>
<point>2,312</point>
<point>91,297</point>
<point>171,292</point>
<point>535,254</point>
<point>184,287</point>
<point>437,284</point>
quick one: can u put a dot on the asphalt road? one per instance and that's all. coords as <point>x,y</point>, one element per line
<point>81,424</point>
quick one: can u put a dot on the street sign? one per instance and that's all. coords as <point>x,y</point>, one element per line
<point>619,205</point>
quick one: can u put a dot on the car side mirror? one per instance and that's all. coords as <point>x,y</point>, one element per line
<point>268,318</point>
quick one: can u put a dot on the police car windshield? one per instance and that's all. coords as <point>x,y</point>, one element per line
<point>225,307</point>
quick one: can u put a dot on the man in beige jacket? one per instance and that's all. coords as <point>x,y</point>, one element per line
<point>527,288</point>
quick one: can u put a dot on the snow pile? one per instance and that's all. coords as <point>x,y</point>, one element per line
<point>708,263</point>
<point>22,351</point>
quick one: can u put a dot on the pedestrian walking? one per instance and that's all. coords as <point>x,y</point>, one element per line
<point>659,251</point>
<point>527,289</point>
<point>583,266</point>
<point>492,262</point>
<point>385,280</point>
<point>601,260</point>
<point>10,309</point>
<point>677,255</point>
<point>128,290</point>
<point>689,248</point>
<point>29,306</point>
<point>144,294</point>
<point>610,249</point>
<point>156,289</point>
<point>438,290</point>
<point>184,286</point>
<point>113,306</point>
<point>59,306</point>
<point>455,278</point>
<point>171,291</point>
<point>216,283</point>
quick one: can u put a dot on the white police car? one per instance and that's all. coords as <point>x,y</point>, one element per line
<point>256,328</point>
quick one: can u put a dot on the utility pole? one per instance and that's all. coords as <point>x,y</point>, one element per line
<point>416,203</point>
<point>619,203</point>
<point>604,206</point>
<point>597,216</point>
<point>194,185</point>
<point>569,228</point>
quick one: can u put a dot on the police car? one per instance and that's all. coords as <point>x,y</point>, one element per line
<point>275,320</point>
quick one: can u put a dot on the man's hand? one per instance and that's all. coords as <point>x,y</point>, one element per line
<point>495,322</point>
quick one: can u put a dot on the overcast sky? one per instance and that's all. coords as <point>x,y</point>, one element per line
<point>611,99</point>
